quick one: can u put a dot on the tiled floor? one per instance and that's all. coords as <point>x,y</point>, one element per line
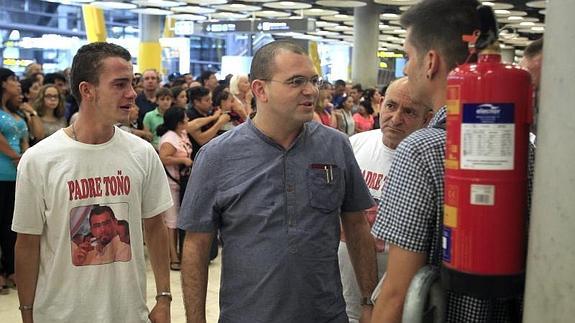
<point>9,303</point>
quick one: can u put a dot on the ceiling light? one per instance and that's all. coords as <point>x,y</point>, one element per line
<point>111,5</point>
<point>157,3</point>
<point>341,3</point>
<point>194,10</point>
<point>152,11</point>
<point>290,5</point>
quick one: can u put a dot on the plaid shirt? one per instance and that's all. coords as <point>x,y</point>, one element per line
<point>411,209</point>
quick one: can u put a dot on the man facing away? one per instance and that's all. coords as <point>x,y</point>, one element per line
<point>276,188</point>
<point>62,178</point>
<point>532,61</point>
<point>411,208</point>
<point>374,151</point>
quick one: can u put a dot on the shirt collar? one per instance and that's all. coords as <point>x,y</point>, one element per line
<point>250,124</point>
<point>438,118</point>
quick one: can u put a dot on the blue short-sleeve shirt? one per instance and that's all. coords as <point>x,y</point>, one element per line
<point>278,214</point>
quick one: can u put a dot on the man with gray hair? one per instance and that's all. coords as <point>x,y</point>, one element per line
<point>277,202</point>
<point>374,151</point>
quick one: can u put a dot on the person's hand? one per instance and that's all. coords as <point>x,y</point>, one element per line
<point>366,311</point>
<point>80,254</point>
<point>188,161</point>
<point>161,311</point>
<point>217,114</point>
<point>16,160</point>
<point>224,118</point>
<point>26,107</point>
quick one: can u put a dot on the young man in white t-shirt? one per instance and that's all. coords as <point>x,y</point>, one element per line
<point>72,188</point>
<point>374,151</point>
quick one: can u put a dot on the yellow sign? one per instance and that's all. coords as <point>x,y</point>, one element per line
<point>17,62</point>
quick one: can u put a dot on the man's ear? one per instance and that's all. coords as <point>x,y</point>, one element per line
<point>87,91</point>
<point>432,63</point>
<point>259,90</point>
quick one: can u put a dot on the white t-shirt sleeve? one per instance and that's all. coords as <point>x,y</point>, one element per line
<point>156,193</point>
<point>29,206</point>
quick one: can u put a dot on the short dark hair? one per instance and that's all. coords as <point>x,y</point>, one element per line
<point>534,49</point>
<point>25,85</point>
<point>197,93</point>
<point>172,117</point>
<point>263,66</point>
<point>162,92</point>
<point>51,78</point>
<point>87,64</point>
<point>339,83</point>
<point>220,96</point>
<point>100,209</point>
<point>205,75</point>
<point>458,18</point>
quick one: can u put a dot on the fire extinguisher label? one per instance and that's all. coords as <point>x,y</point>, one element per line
<point>482,194</point>
<point>488,136</point>
<point>446,244</point>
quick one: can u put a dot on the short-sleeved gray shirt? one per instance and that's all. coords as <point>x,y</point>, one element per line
<point>278,214</point>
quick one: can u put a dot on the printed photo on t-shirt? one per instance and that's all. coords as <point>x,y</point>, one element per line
<point>99,234</point>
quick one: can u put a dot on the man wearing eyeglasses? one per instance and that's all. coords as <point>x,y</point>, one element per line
<point>374,151</point>
<point>277,187</point>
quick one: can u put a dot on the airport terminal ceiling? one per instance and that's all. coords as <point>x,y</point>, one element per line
<point>334,18</point>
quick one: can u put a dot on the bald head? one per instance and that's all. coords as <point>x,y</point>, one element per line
<point>400,115</point>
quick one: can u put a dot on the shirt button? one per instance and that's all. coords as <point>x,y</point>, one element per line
<point>292,250</point>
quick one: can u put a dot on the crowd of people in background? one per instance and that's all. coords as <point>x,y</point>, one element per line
<point>180,116</point>
<point>37,105</point>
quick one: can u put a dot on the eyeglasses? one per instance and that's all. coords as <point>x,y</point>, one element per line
<point>300,81</point>
<point>52,97</point>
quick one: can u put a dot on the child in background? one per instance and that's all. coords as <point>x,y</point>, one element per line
<point>155,117</point>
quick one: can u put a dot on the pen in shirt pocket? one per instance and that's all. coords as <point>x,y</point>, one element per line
<point>327,168</point>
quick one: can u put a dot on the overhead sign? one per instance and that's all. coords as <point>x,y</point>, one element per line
<point>286,25</point>
<point>183,27</point>
<point>228,26</point>
<point>260,25</point>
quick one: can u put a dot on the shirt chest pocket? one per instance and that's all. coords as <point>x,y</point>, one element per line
<point>325,187</point>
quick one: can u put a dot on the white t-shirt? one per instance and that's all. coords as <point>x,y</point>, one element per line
<point>373,157</point>
<point>59,182</point>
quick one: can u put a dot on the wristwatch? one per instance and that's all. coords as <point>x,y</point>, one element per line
<point>366,301</point>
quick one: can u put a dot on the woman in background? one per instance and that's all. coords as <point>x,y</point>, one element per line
<point>50,107</point>
<point>363,118</point>
<point>373,98</point>
<point>322,110</point>
<point>13,143</point>
<point>175,151</point>
<point>180,96</point>
<point>240,88</point>
<point>345,122</point>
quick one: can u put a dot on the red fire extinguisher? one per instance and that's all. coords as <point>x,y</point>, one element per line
<point>485,200</point>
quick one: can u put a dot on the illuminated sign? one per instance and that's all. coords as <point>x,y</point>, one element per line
<point>285,25</point>
<point>260,25</point>
<point>230,26</point>
<point>184,28</point>
<point>382,54</point>
<point>17,62</point>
